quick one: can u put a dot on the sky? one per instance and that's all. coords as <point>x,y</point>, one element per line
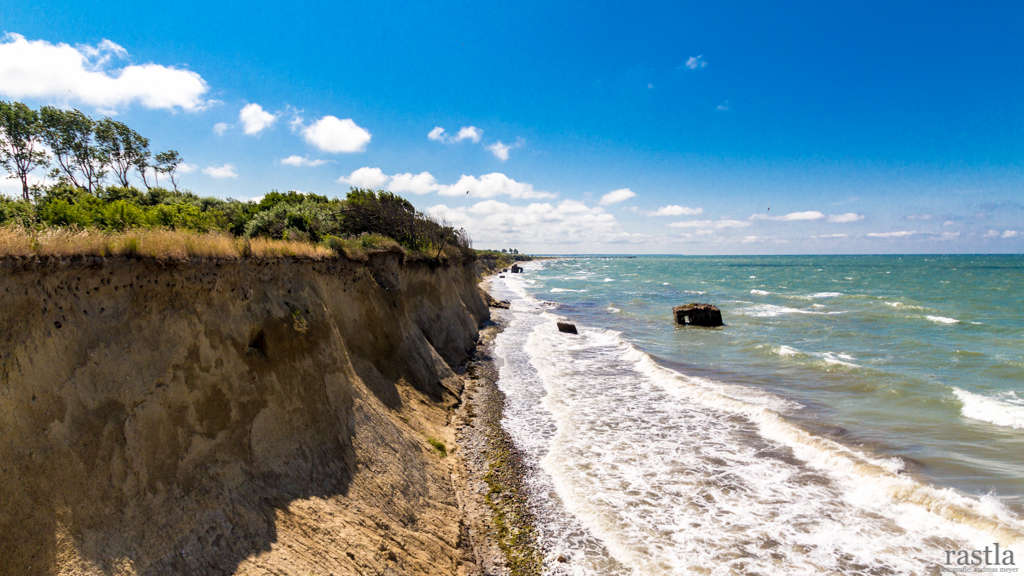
<point>572,127</point>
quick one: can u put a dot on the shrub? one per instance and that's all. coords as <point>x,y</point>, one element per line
<point>439,446</point>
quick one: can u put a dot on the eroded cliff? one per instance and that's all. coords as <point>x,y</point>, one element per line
<point>232,416</point>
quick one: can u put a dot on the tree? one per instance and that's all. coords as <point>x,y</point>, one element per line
<point>69,134</point>
<point>167,163</point>
<point>123,148</point>
<point>20,132</point>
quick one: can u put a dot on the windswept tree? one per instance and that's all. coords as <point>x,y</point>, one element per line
<point>69,134</point>
<point>20,134</point>
<point>167,163</point>
<point>122,148</point>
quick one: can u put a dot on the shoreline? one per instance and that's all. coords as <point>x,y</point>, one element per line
<point>965,512</point>
<point>489,476</point>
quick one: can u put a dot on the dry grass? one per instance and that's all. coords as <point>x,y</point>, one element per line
<point>360,247</point>
<point>162,244</point>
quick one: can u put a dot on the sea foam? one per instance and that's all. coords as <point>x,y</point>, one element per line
<point>674,474</point>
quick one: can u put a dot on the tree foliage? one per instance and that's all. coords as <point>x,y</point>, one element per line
<point>20,131</point>
<point>84,152</point>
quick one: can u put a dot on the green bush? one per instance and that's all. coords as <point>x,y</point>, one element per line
<point>16,211</point>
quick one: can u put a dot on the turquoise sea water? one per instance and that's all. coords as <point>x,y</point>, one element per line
<point>857,414</point>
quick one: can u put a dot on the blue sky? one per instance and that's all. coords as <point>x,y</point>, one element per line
<point>585,127</point>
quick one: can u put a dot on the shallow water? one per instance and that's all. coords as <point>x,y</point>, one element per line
<point>856,415</point>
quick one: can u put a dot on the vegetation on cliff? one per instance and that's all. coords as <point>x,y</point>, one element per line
<point>89,163</point>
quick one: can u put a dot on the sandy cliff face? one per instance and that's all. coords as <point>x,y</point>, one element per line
<point>219,417</point>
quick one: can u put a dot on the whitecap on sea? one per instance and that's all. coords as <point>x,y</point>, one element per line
<point>1005,409</point>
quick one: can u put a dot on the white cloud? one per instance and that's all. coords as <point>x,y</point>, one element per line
<point>421,183</point>
<point>220,128</point>
<point>499,150</point>
<point>490,185</point>
<point>469,133</point>
<point>704,226</point>
<point>1010,234</point>
<point>949,223</point>
<point>832,236</point>
<point>225,171</point>
<point>791,217</point>
<point>296,160</point>
<point>61,73</point>
<point>615,196</point>
<point>676,210</point>
<point>465,133</point>
<point>900,234</point>
<point>184,168</point>
<point>255,119</point>
<point>332,134</point>
<point>922,217</point>
<point>845,218</point>
<point>991,234</point>
<point>695,62</point>
<point>723,106</point>
<point>365,177</point>
<point>569,222</point>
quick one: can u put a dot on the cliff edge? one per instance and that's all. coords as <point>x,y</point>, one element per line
<point>231,416</point>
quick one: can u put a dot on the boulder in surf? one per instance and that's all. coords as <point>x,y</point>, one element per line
<point>697,315</point>
<point>567,328</point>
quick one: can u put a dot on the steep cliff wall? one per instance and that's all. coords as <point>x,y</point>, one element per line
<point>232,416</point>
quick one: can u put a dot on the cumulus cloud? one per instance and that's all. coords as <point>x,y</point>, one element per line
<point>500,150</point>
<point>708,226</point>
<point>296,160</point>
<point>469,133</point>
<point>422,183</point>
<point>723,106</point>
<point>225,171</point>
<point>220,128</point>
<point>695,62</point>
<point>566,223</point>
<point>332,134</point>
<point>845,218</point>
<point>791,217</point>
<point>491,185</point>
<point>61,73</point>
<point>900,234</point>
<point>255,119</point>
<point>676,210</point>
<point>486,186</point>
<point>365,177</point>
<point>465,133</point>
<point>184,168</point>
<point>616,196</point>
<point>1009,234</point>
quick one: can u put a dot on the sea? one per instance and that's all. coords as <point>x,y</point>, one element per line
<point>854,415</point>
